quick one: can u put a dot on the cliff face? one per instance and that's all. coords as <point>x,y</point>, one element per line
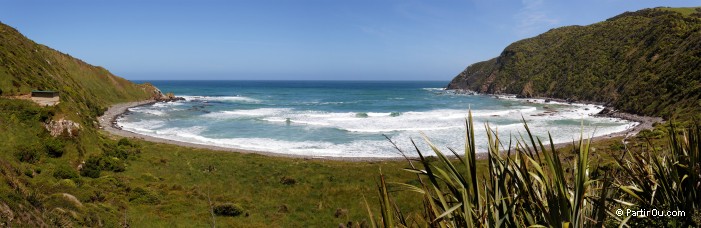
<point>645,62</point>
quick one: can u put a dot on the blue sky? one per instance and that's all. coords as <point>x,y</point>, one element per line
<point>297,40</point>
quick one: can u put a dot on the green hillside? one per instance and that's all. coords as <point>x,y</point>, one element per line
<point>646,62</point>
<point>33,163</point>
<point>85,177</point>
<point>26,65</point>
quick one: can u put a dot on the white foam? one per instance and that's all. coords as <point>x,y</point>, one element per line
<point>377,114</point>
<point>450,136</point>
<point>378,130</point>
<point>141,126</point>
<point>521,110</point>
<point>148,110</point>
<point>166,104</point>
<point>444,126</point>
<point>374,122</point>
<point>222,98</point>
<point>260,112</point>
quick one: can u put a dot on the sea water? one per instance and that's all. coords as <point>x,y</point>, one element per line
<point>352,118</point>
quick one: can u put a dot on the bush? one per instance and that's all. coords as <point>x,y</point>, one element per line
<point>288,181</point>
<point>65,172</point>
<point>112,164</point>
<point>27,153</point>
<point>122,150</point>
<point>45,114</point>
<point>125,142</point>
<point>54,148</point>
<point>91,168</point>
<point>228,209</point>
<point>29,172</point>
<point>143,196</point>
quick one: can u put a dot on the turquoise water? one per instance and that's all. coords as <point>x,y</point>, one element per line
<point>347,118</point>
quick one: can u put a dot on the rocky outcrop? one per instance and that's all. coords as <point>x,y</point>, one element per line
<point>168,97</point>
<point>159,96</point>
<point>62,127</point>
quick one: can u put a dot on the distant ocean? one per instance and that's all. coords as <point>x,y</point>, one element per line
<point>349,118</point>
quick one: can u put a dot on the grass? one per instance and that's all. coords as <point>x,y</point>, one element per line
<point>686,11</point>
<point>168,185</point>
<point>144,184</point>
<point>183,178</point>
<point>147,184</point>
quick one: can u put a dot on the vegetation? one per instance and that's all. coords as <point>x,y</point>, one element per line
<point>529,186</point>
<point>94,179</point>
<point>85,91</point>
<point>645,62</point>
<point>228,209</point>
<point>144,184</point>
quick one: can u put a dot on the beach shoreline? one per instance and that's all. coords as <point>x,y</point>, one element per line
<point>108,123</point>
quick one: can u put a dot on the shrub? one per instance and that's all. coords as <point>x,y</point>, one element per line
<point>288,181</point>
<point>143,196</point>
<point>29,172</point>
<point>123,149</point>
<point>529,178</point>
<point>125,142</point>
<point>112,164</point>
<point>91,168</point>
<point>228,209</point>
<point>27,153</point>
<point>530,186</point>
<point>67,183</point>
<point>54,148</point>
<point>665,180</point>
<point>65,172</point>
<point>116,152</point>
<point>45,114</point>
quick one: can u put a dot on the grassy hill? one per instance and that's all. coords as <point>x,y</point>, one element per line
<point>89,178</point>
<point>30,158</point>
<point>26,65</point>
<point>646,62</point>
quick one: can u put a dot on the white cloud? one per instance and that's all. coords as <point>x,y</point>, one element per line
<point>532,18</point>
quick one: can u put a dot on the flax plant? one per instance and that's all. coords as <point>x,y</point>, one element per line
<point>525,185</point>
<point>665,180</point>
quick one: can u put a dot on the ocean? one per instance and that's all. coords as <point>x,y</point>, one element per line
<point>351,118</point>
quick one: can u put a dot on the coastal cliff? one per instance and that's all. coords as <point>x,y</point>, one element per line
<point>646,62</point>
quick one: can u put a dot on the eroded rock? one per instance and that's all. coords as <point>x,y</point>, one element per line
<point>62,127</point>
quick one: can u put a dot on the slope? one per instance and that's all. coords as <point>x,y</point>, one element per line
<point>35,166</point>
<point>646,62</point>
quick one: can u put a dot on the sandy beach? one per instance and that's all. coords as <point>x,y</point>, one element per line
<point>108,123</point>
